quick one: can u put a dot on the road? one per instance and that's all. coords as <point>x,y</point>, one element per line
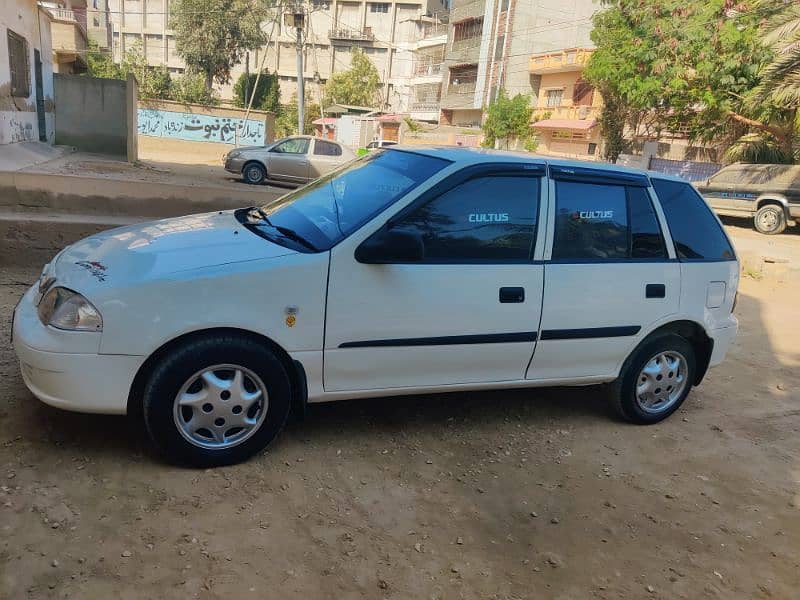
<point>503,495</point>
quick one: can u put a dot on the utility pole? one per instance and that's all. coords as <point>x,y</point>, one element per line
<point>296,19</point>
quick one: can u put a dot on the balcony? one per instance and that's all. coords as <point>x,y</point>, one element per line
<point>69,39</point>
<point>467,10</point>
<point>574,113</point>
<point>563,61</point>
<point>459,95</point>
<point>352,35</point>
<point>427,70</point>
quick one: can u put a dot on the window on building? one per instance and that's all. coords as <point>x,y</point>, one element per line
<point>504,5</point>
<point>379,7</point>
<point>18,65</point>
<point>470,28</point>
<point>498,49</point>
<point>598,221</point>
<point>554,97</point>
<point>490,218</point>
<point>582,93</point>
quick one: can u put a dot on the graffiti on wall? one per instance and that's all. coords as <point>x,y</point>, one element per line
<point>199,128</point>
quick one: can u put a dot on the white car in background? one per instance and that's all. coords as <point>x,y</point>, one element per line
<point>408,271</point>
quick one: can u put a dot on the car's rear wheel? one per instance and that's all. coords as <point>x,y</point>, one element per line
<point>216,400</point>
<point>254,173</point>
<point>655,380</point>
<point>770,219</point>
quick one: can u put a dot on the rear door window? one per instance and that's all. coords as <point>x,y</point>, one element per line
<point>694,228</point>
<point>605,221</point>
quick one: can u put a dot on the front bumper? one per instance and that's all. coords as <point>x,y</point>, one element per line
<point>234,165</point>
<point>77,381</point>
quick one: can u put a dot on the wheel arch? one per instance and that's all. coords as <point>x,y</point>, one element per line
<point>773,199</point>
<point>294,369</point>
<point>695,334</point>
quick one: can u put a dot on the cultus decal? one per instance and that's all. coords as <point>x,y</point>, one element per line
<point>596,214</point>
<point>488,218</point>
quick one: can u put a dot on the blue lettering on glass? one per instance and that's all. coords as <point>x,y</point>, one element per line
<point>199,128</point>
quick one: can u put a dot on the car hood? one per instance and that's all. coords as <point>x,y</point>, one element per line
<point>158,248</point>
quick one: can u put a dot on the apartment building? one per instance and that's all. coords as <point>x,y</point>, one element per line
<point>388,32</point>
<point>490,43</point>
<point>69,35</point>
<point>566,108</point>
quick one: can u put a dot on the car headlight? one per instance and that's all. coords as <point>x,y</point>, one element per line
<point>64,309</point>
<point>234,153</point>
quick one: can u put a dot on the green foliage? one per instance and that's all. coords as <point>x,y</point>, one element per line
<point>758,147</point>
<point>413,126</point>
<point>100,63</point>
<point>212,35</point>
<point>507,119</point>
<point>190,88</point>
<point>286,119</point>
<point>671,63</point>
<point>359,85</point>
<point>267,95</point>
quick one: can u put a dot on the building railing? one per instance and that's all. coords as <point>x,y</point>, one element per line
<point>424,106</point>
<point>68,15</point>
<point>572,59</point>
<point>342,33</point>
<point>424,69</point>
<point>570,112</point>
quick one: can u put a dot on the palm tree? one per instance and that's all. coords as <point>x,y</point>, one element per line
<point>775,103</point>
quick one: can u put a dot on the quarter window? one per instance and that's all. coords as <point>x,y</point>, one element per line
<point>696,232</point>
<point>491,218</point>
<point>326,148</point>
<point>596,221</point>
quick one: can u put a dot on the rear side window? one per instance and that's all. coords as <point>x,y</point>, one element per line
<point>599,221</point>
<point>326,148</point>
<point>696,232</point>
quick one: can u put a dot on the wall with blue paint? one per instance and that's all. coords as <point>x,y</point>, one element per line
<point>204,124</point>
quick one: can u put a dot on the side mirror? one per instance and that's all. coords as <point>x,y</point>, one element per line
<point>391,246</point>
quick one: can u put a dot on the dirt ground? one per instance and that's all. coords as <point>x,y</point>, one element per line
<point>502,495</point>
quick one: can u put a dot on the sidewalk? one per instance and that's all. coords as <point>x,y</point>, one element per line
<point>50,196</point>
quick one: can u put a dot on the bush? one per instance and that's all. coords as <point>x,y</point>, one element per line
<point>267,95</point>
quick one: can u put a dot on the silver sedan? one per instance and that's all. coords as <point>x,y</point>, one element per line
<point>295,159</point>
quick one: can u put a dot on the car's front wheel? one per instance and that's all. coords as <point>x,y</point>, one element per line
<point>216,400</point>
<point>254,173</point>
<point>655,379</point>
<point>770,219</point>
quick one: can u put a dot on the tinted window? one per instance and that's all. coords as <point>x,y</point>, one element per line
<point>696,232</point>
<point>646,238</point>
<point>292,146</point>
<point>330,208</point>
<point>728,176</point>
<point>488,218</point>
<point>591,221</point>
<point>326,148</point>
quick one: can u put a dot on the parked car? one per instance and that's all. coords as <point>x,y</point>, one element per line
<point>296,159</point>
<point>380,144</point>
<point>769,194</point>
<point>407,271</point>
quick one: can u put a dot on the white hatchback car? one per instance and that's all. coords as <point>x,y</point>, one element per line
<point>411,270</point>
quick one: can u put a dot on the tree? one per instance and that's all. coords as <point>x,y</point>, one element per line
<point>507,119</point>
<point>212,35</point>
<point>190,88</point>
<point>100,62</point>
<point>359,85</point>
<point>267,94</point>
<point>669,64</point>
<point>286,120</point>
<point>154,82</point>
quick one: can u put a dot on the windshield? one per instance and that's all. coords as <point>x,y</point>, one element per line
<point>329,209</point>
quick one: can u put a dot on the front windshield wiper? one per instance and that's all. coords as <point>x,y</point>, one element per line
<point>290,234</point>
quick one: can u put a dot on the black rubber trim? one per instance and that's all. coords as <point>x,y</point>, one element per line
<point>592,332</point>
<point>598,176</point>
<point>448,340</point>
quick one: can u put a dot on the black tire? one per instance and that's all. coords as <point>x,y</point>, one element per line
<point>254,173</point>
<point>770,219</point>
<point>179,366</point>
<point>623,390</point>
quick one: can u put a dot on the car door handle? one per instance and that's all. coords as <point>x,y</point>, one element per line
<point>655,290</point>
<point>512,294</point>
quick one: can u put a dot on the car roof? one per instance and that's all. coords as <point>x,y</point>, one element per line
<point>470,156</point>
